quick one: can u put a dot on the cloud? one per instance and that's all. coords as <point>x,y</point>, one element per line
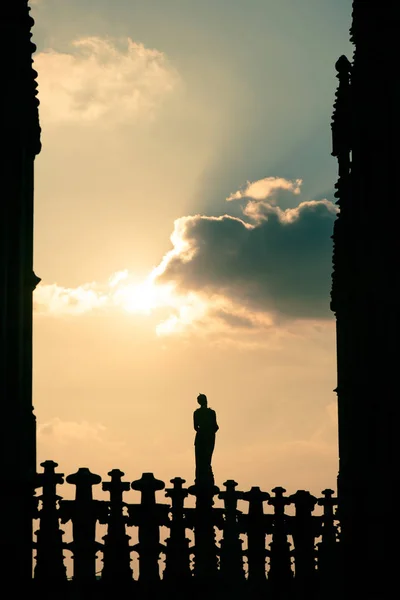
<point>266,188</point>
<point>103,79</point>
<point>68,431</point>
<point>122,291</point>
<point>79,443</point>
<point>212,315</point>
<point>175,313</point>
<point>55,299</point>
<point>223,273</point>
<point>278,262</point>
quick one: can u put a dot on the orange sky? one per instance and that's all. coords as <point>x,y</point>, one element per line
<point>146,146</point>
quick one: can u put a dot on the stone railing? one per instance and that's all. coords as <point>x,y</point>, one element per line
<point>288,555</point>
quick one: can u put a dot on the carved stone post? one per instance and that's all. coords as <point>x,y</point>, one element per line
<point>231,553</point>
<point>256,527</point>
<point>83,512</point>
<point>178,560</point>
<point>328,563</point>
<point>203,518</point>
<point>50,568</point>
<point>148,516</point>
<point>116,552</point>
<point>305,528</point>
<point>280,575</point>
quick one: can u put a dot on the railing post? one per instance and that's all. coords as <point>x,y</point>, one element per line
<point>83,512</point>
<point>280,574</point>
<point>178,558</point>
<point>148,516</point>
<point>256,527</point>
<point>116,552</point>
<point>231,553</point>
<point>305,528</point>
<point>50,569</point>
<point>203,519</point>
<point>327,549</point>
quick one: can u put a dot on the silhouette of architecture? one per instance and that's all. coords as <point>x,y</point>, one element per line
<point>230,543</point>
<point>203,552</point>
<point>366,252</point>
<point>20,136</point>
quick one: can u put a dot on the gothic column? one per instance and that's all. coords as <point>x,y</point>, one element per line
<point>20,142</point>
<point>365,300</point>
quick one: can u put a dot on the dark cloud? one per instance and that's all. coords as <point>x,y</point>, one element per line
<point>278,261</point>
<point>233,320</point>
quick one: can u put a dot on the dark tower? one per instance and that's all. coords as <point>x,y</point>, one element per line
<point>20,143</point>
<point>365,301</point>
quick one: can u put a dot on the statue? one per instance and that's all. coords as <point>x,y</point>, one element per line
<point>205,424</point>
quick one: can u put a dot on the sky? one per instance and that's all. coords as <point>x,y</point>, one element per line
<point>183,213</point>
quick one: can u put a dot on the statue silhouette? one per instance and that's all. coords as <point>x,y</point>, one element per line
<point>205,424</point>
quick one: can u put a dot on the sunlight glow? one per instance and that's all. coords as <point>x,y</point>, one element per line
<point>143,297</point>
<point>175,312</point>
<point>124,291</point>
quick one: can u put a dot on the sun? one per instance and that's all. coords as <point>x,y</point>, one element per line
<point>138,298</point>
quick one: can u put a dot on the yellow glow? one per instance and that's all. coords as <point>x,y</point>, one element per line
<point>141,298</point>
<point>179,312</point>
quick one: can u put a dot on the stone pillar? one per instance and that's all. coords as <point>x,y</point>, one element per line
<point>20,143</point>
<point>366,130</point>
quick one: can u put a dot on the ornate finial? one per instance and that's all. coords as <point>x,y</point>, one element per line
<point>341,144</point>
<point>148,485</point>
<point>343,65</point>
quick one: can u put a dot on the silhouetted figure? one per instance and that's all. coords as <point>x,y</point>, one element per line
<point>205,424</point>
